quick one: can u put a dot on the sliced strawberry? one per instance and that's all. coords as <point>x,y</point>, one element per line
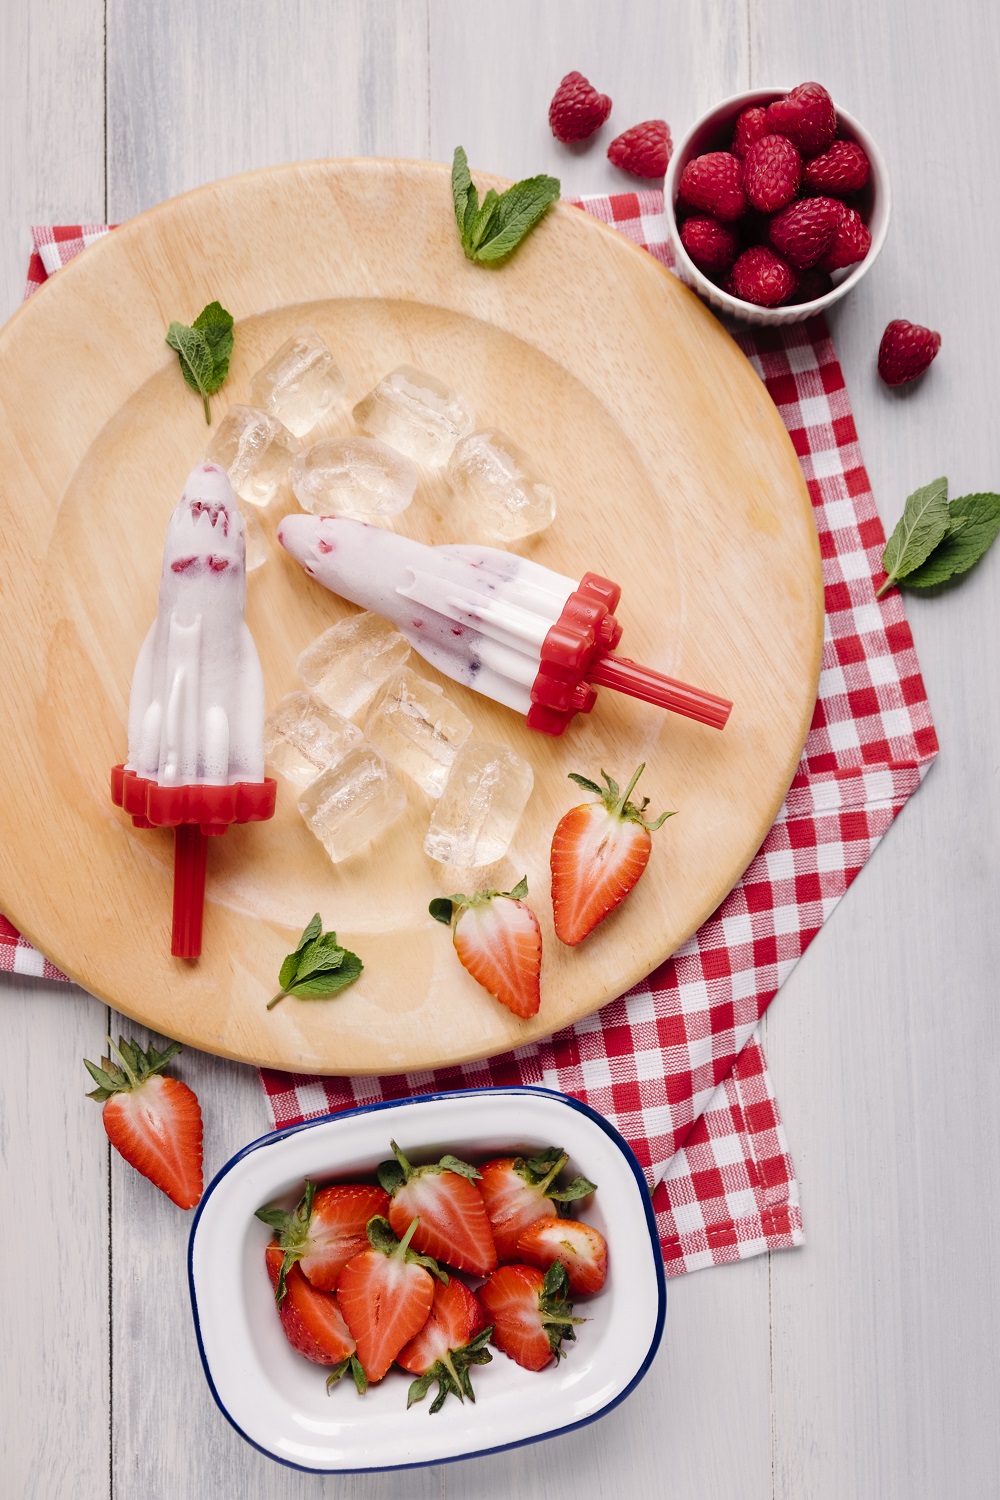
<point>454,1225</point>
<point>599,850</point>
<point>453,1338</point>
<point>498,939</point>
<point>531,1314</point>
<point>519,1191</point>
<point>325,1230</point>
<point>313,1323</point>
<point>153,1121</point>
<point>385,1294</point>
<point>580,1248</point>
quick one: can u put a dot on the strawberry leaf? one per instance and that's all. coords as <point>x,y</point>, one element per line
<point>356,1368</point>
<point>586,783</point>
<point>442,909</point>
<point>462,1168</point>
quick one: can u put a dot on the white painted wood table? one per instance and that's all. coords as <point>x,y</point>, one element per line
<point>865,1364</point>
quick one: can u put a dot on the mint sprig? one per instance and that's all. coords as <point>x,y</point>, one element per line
<point>319,967</point>
<point>491,231</point>
<point>935,541</point>
<point>204,350</point>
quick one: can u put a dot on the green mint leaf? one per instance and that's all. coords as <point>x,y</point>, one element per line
<point>319,957</point>
<point>465,195</point>
<point>197,364</point>
<point>287,971</point>
<point>324,985</point>
<point>309,933</point>
<point>518,211</point>
<point>319,967</point>
<point>483,221</point>
<point>975,526</point>
<point>921,527</point>
<point>216,324</point>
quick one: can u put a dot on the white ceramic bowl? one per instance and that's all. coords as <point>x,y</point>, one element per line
<point>713,132</point>
<point>277,1400</point>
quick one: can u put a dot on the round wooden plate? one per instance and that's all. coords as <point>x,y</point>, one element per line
<point>674,475</point>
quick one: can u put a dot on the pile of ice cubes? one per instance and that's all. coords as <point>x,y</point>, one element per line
<point>349,777</point>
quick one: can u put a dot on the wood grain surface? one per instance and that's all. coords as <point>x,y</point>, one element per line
<point>866,1363</point>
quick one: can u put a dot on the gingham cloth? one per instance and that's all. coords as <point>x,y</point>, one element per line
<point>677,1063</point>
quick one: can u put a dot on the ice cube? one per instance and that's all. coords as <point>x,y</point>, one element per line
<point>300,383</point>
<point>498,482</point>
<point>477,814</point>
<point>352,802</point>
<point>353,476</point>
<point>303,738</point>
<point>416,413</point>
<point>417,728</point>
<point>256,544</point>
<point>255,450</point>
<point>347,664</point>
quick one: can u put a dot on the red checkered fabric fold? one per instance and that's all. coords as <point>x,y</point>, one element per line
<point>677,1063</point>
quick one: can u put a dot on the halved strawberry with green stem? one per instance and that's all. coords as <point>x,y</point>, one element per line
<point>531,1313</point>
<point>313,1322</point>
<point>385,1294</point>
<point>579,1247</point>
<point>454,1225</point>
<point>518,1191</point>
<point>453,1338</point>
<point>153,1121</point>
<point>325,1230</point>
<point>498,939</point>
<point>599,850</point>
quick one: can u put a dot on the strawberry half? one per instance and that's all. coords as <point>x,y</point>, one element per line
<point>599,850</point>
<point>499,941</point>
<point>313,1323</point>
<point>385,1295</point>
<point>518,1191</point>
<point>531,1313</point>
<point>325,1230</point>
<point>154,1122</point>
<point>580,1248</point>
<point>453,1338</point>
<point>454,1225</point>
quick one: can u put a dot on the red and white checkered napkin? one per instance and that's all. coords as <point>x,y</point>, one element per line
<point>677,1062</point>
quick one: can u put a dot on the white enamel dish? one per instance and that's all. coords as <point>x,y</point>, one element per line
<point>278,1401</point>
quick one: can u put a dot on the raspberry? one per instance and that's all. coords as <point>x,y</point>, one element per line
<point>806,116</point>
<point>905,351</point>
<point>577,109</point>
<point>771,173</point>
<point>802,232</point>
<point>841,170</point>
<point>851,242</point>
<point>644,149</point>
<point>761,277</point>
<point>812,284</point>
<point>750,126</point>
<point>714,183</point>
<point>711,245</point>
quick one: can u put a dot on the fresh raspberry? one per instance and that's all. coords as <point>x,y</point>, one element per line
<point>771,173</point>
<point>812,284</point>
<point>714,183</point>
<point>802,232</point>
<point>750,126</point>
<point>711,245</point>
<point>644,150</point>
<point>577,109</point>
<point>761,277</point>
<point>905,351</point>
<point>843,169</point>
<point>851,242</point>
<point>806,116</point>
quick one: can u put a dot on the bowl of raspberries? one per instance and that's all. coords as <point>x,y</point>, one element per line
<point>777,204</point>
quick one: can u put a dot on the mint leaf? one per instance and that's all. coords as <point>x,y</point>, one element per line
<point>329,983</point>
<point>464,193</point>
<point>204,350</point>
<point>922,525</point>
<point>319,967</point>
<point>490,232</point>
<point>974,526</point>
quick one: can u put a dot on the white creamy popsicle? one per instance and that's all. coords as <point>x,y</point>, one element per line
<point>522,634</point>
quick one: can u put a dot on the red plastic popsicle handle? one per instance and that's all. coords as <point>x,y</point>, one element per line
<point>643,682</point>
<point>190,851</point>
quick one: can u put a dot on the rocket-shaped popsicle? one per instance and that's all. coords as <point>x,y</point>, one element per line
<point>196,710</point>
<point>524,635</point>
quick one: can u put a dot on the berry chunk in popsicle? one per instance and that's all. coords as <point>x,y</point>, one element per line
<point>518,632</point>
<point>196,711</point>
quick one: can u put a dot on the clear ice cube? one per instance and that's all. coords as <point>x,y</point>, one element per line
<point>352,802</point>
<point>300,383</point>
<point>417,728</point>
<point>477,814</point>
<point>353,476</point>
<point>303,738</point>
<point>346,665</point>
<point>416,413</point>
<point>256,545</point>
<point>505,493</point>
<point>255,450</point>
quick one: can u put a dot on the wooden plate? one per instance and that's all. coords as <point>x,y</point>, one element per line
<point>675,476</point>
